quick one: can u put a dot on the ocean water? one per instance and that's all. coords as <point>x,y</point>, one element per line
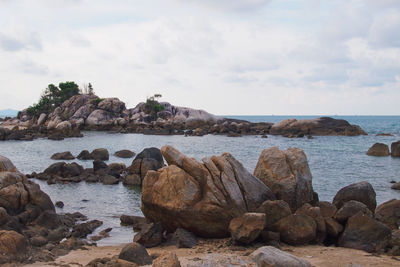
<point>334,162</point>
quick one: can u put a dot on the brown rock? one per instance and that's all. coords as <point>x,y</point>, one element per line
<point>287,174</point>
<point>365,233</point>
<point>201,198</point>
<point>167,259</point>
<point>362,192</point>
<point>125,153</point>
<point>246,228</point>
<point>135,253</point>
<point>62,156</point>
<point>100,154</point>
<point>388,213</point>
<point>378,150</point>
<point>349,209</point>
<point>395,147</point>
<point>274,211</point>
<point>296,229</point>
<point>327,209</point>
<point>151,235</point>
<point>333,228</point>
<point>132,179</point>
<point>12,246</point>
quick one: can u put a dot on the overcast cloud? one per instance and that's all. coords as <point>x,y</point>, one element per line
<point>227,57</point>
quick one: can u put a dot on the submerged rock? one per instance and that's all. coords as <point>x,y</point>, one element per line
<point>125,153</point>
<point>287,174</point>
<point>201,197</point>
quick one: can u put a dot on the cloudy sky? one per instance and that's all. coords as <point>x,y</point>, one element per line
<point>225,56</point>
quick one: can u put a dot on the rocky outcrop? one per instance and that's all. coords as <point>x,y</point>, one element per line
<point>271,256</point>
<point>319,126</point>
<point>388,213</point>
<point>201,197</point>
<point>362,192</point>
<point>287,174</point>
<point>378,150</point>
<point>395,148</point>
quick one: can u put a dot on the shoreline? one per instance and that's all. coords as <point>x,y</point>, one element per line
<point>318,256</point>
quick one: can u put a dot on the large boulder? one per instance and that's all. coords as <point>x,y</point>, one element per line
<point>349,209</point>
<point>378,150</point>
<point>100,117</point>
<point>296,229</point>
<point>271,256</point>
<point>136,253</point>
<point>113,105</point>
<point>388,213</point>
<point>63,169</point>
<point>246,228</point>
<point>13,246</point>
<point>100,154</point>
<point>62,156</point>
<point>363,232</point>
<point>287,174</point>
<point>150,235</point>
<point>201,197</point>
<point>274,211</point>
<point>395,148</point>
<point>318,126</point>
<point>362,192</point>
<point>148,159</point>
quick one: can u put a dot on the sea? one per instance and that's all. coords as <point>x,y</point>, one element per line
<point>335,161</point>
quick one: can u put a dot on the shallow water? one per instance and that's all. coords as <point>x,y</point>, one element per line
<point>334,161</point>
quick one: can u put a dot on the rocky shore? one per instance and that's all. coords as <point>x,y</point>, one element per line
<point>207,213</point>
<point>89,112</point>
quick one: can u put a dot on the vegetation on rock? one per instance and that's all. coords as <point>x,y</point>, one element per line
<point>152,106</point>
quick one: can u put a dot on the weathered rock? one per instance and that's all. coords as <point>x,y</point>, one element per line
<point>100,154</point>
<point>110,262</point>
<point>100,117</point>
<point>183,239</point>
<point>388,213</point>
<point>202,198</point>
<point>125,153</point>
<point>13,246</point>
<point>84,155</point>
<point>84,229</point>
<point>296,229</point>
<point>62,156</point>
<point>318,126</point>
<point>150,235</point>
<point>271,256</point>
<point>41,119</point>
<point>136,253</point>
<point>396,186</point>
<point>378,150</point>
<point>327,209</point>
<point>6,165</point>
<point>246,228</point>
<point>113,105</point>
<point>274,211</point>
<point>167,259</point>
<point>365,233</point>
<point>395,148</point>
<point>287,174</point>
<point>63,169</point>
<point>351,208</point>
<point>315,213</point>
<point>109,180</point>
<point>362,192</point>
<point>333,228</point>
<point>148,159</point>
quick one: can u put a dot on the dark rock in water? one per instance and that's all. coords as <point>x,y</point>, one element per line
<point>137,222</point>
<point>60,204</point>
<point>246,228</point>
<point>98,165</point>
<point>365,233</point>
<point>125,153</point>
<point>151,235</point>
<point>388,213</point>
<point>84,155</point>
<point>84,229</point>
<point>116,169</point>
<point>63,169</point>
<point>136,253</point>
<point>148,159</point>
<point>384,134</point>
<point>63,156</point>
<point>349,209</point>
<point>362,192</point>
<point>395,148</point>
<point>296,229</point>
<point>100,154</point>
<point>327,209</point>
<point>132,179</point>
<point>184,239</point>
<point>319,126</point>
<point>274,211</point>
<point>287,174</point>
<point>108,180</point>
<point>204,196</point>
<point>378,150</point>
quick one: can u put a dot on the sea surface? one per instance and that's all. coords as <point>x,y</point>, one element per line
<point>334,161</point>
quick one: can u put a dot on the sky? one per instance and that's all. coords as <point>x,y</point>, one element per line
<point>229,57</point>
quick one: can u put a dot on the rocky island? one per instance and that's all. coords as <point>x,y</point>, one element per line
<point>89,112</point>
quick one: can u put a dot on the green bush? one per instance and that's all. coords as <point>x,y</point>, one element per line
<point>152,106</point>
<point>53,97</point>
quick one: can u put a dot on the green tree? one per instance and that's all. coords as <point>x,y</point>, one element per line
<point>152,106</point>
